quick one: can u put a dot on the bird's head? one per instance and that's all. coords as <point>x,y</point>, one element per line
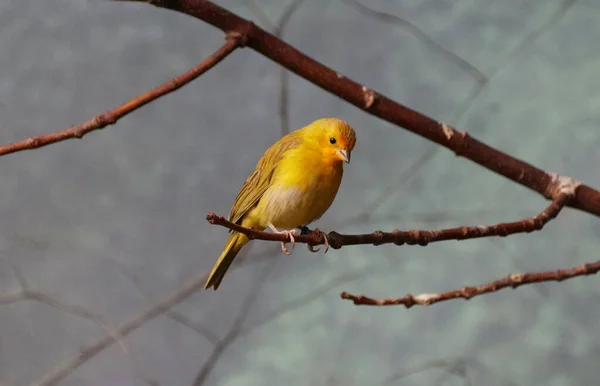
<point>334,137</point>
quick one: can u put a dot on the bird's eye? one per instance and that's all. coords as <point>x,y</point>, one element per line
<point>332,140</point>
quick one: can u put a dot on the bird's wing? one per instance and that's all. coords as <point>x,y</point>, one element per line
<point>259,181</point>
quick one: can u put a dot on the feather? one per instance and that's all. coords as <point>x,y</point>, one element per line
<point>259,181</point>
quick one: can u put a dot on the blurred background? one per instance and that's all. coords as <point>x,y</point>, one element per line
<point>115,222</point>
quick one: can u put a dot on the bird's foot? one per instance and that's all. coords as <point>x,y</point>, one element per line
<point>304,230</point>
<point>326,243</point>
<point>289,234</point>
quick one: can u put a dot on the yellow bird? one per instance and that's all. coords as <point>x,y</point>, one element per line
<point>294,183</point>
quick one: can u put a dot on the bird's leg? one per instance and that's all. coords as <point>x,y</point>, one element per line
<point>289,234</point>
<point>312,248</point>
<point>303,229</point>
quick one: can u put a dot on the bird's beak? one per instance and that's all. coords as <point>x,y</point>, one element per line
<point>344,155</point>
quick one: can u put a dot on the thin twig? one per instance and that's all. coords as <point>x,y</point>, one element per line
<point>235,329</point>
<point>421,36</point>
<point>26,293</point>
<point>308,298</point>
<point>559,13</point>
<point>174,315</point>
<point>242,32</point>
<point>528,40</point>
<point>112,116</point>
<point>88,351</point>
<point>444,364</point>
<point>394,186</point>
<point>511,281</point>
<point>278,30</point>
<point>411,237</point>
<point>234,40</point>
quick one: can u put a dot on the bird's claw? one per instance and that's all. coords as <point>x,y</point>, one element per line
<point>291,235</point>
<point>326,243</point>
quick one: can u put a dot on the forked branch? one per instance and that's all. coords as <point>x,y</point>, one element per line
<point>239,32</point>
<point>375,103</point>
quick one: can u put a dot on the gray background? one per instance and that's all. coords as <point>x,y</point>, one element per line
<point>116,221</point>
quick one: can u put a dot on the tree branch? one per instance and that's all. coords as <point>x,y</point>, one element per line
<point>375,103</point>
<point>26,293</point>
<point>513,281</point>
<point>564,190</point>
<point>415,31</point>
<point>88,351</point>
<point>278,30</point>
<point>110,117</point>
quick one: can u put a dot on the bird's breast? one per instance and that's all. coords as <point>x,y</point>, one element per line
<point>300,195</point>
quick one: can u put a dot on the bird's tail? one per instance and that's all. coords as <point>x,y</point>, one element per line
<point>235,242</point>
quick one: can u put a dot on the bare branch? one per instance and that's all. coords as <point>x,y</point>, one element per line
<point>457,366</point>
<point>112,116</point>
<point>308,298</point>
<point>26,293</point>
<point>375,103</point>
<point>412,237</point>
<point>164,306</point>
<point>422,36</point>
<point>278,30</point>
<point>235,330</point>
<point>240,32</point>
<point>238,330</point>
<point>392,187</point>
<point>446,365</point>
<point>499,65</point>
<point>90,350</point>
<point>189,323</point>
<point>513,281</point>
<point>176,316</point>
<point>12,297</point>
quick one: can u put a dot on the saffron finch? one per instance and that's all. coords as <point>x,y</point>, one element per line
<point>294,183</point>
